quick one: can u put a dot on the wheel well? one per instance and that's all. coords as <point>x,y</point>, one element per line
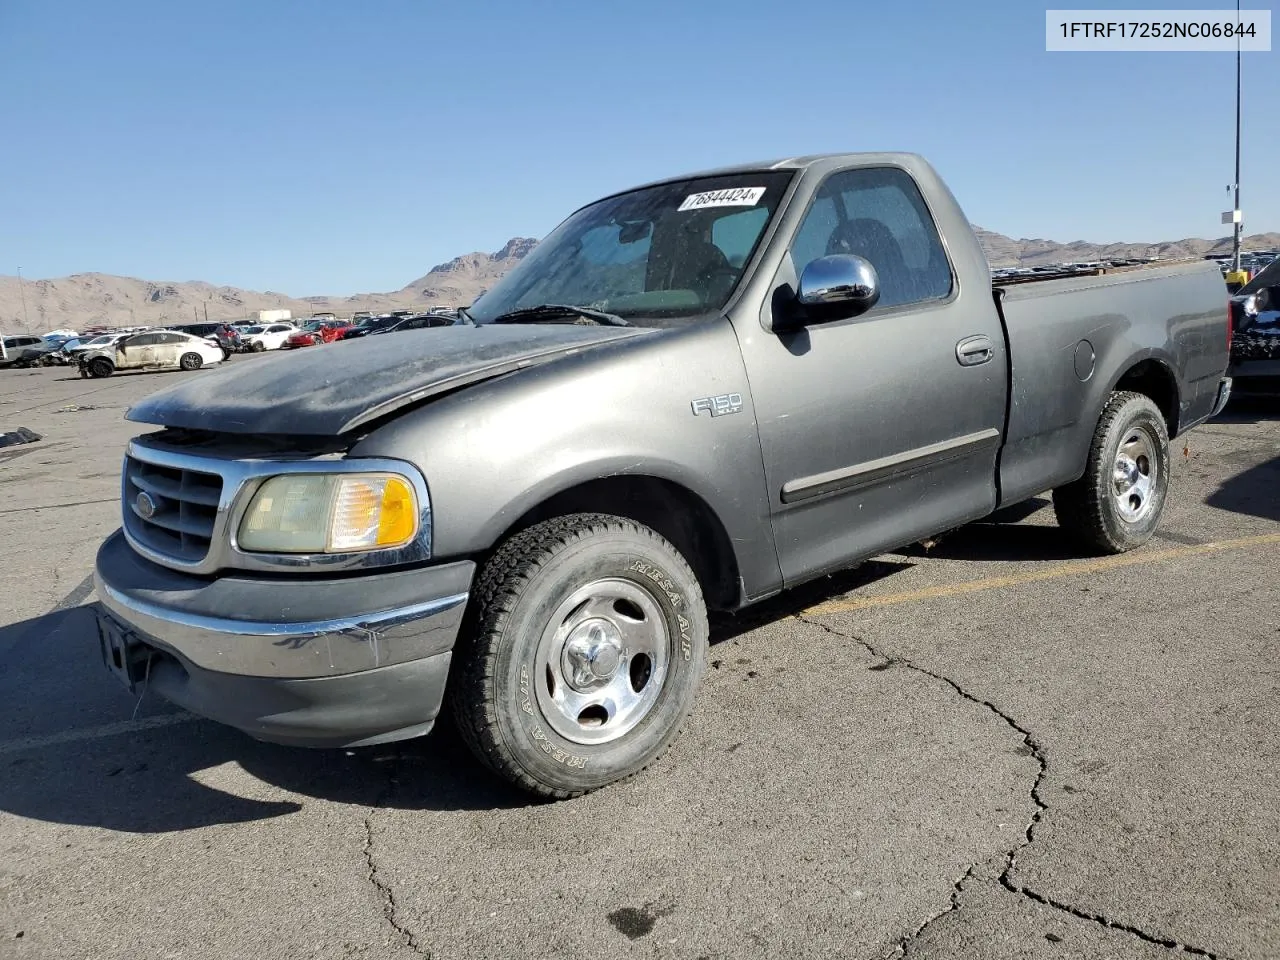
<point>677,513</point>
<point>1155,380</point>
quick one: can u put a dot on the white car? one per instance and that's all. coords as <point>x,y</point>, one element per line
<point>269,336</point>
<point>159,350</point>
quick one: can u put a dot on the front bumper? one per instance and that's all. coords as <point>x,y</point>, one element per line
<point>318,662</point>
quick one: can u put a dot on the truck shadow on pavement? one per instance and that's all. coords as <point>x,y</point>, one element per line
<point>1253,492</point>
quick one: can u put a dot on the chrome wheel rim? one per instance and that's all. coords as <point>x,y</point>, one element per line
<point>602,661</point>
<point>1134,476</point>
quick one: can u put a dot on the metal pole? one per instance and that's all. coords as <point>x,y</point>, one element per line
<point>1235,245</point>
<point>22,290</point>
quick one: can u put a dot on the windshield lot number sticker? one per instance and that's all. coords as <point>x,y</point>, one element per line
<point>736,197</point>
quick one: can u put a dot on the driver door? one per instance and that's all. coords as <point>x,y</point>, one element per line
<point>875,431</point>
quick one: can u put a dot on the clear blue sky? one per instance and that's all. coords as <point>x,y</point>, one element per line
<point>337,147</point>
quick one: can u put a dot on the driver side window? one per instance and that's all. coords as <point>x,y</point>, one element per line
<point>877,213</point>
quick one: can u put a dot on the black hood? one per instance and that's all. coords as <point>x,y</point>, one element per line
<point>331,389</point>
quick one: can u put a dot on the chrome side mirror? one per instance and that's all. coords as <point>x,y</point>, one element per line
<point>838,287</point>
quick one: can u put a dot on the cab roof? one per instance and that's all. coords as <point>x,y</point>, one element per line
<point>824,160</point>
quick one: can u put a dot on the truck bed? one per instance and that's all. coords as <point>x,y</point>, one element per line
<point>1067,273</point>
<point>1070,337</point>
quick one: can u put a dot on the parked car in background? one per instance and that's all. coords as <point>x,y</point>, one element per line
<point>223,334</point>
<point>316,332</point>
<point>1255,345</point>
<point>158,350</point>
<point>262,337</point>
<point>68,353</point>
<point>29,351</point>
<point>72,349</point>
<point>368,325</point>
<point>420,322</point>
<point>15,350</point>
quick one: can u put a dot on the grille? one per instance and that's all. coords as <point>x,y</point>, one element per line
<point>185,508</point>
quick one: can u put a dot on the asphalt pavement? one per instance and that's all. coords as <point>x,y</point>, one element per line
<point>990,746</point>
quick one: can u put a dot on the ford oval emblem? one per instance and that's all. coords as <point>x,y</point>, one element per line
<point>145,506</point>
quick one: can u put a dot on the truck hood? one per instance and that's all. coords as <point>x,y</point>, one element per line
<point>330,389</point>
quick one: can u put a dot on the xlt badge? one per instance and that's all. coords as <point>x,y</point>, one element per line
<point>717,406</point>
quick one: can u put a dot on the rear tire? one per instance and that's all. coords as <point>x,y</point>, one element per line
<point>191,361</point>
<point>580,655</point>
<point>1117,504</point>
<point>101,368</point>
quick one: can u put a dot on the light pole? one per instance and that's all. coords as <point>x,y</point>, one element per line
<point>22,292</point>
<point>1236,215</point>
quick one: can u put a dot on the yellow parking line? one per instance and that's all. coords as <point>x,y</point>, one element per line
<point>1074,568</point>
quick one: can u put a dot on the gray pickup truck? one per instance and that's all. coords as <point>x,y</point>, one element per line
<point>690,395</point>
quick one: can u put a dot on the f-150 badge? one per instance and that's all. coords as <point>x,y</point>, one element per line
<point>717,406</point>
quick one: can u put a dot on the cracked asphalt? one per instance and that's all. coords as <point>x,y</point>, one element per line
<point>993,747</point>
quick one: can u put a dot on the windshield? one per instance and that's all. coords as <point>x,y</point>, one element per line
<point>252,330</point>
<point>652,256</point>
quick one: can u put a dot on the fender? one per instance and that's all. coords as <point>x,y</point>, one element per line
<point>496,450</point>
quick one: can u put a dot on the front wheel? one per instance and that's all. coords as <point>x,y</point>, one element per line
<point>191,361</point>
<point>258,346</point>
<point>1117,504</point>
<point>101,367</point>
<point>581,654</point>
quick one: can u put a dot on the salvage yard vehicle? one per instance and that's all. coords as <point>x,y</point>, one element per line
<point>260,338</point>
<point>691,395</point>
<point>69,353</point>
<point>419,322</point>
<point>158,350</point>
<point>316,332</point>
<point>28,351</point>
<point>367,325</point>
<point>1255,346</point>
<point>223,335</point>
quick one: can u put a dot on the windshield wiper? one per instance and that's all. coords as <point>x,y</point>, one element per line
<point>549,311</point>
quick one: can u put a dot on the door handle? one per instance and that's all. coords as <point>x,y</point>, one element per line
<point>972,351</point>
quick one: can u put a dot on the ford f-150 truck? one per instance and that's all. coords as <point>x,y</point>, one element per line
<point>690,395</point>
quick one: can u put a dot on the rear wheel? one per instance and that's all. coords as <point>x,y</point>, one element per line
<point>1117,504</point>
<point>101,367</point>
<point>583,650</point>
<point>191,361</point>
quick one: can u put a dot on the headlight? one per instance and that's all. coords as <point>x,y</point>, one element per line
<point>330,513</point>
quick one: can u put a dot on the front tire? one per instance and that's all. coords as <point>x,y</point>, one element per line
<point>191,361</point>
<point>1117,504</point>
<point>258,346</point>
<point>101,368</point>
<point>581,654</point>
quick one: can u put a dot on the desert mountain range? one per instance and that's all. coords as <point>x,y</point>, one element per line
<point>93,299</point>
